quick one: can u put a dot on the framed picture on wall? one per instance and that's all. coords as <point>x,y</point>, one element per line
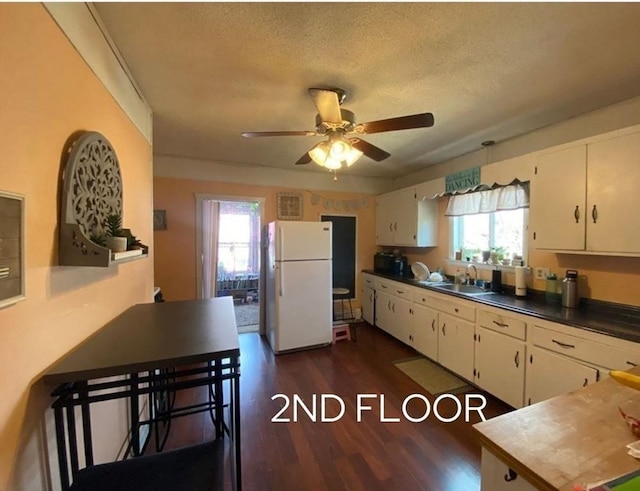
<point>289,206</point>
<point>12,251</point>
<point>159,219</point>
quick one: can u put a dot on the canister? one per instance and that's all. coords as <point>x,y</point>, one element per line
<point>570,289</point>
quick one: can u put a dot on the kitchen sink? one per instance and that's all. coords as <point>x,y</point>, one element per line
<point>464,289</point>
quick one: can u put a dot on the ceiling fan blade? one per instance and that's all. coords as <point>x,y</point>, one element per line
<point>423,120</point>
<point>251,134</point>
<point>328,105</point>
<point>369,150</point>
<point>305,159</point>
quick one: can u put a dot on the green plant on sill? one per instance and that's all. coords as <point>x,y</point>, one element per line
<point>98,240</point>
<point>113,226</point>
<point>132,242</point>
<point>499,251</point>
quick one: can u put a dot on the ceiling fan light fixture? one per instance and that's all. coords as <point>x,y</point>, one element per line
<point>334,153</point>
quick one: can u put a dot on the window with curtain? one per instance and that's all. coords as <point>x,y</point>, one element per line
<point>238,239</point>
<point>490,219</point>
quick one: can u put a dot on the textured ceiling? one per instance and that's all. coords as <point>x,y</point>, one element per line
<point>485,70</point>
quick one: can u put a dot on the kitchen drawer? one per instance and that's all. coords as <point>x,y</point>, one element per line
<point>394,288</point>
<point>442,303</point>
<point>503,324</point>
<point>585,349</point>
<point>368,280</point>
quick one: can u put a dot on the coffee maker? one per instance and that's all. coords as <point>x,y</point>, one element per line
<point>401,266</point>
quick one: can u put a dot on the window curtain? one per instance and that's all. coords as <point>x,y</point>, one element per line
<point>509,197</point>
<point>210,214</point>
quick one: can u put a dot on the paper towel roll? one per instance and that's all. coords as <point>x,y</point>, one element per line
<point>521,281</point>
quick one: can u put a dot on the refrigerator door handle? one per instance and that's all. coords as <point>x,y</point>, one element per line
<point>281,241</point>
<point>281,280</point>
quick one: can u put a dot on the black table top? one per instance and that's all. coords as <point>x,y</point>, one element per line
<point>153,335</point>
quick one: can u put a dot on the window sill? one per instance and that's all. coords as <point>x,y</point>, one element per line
<point>484,266</point>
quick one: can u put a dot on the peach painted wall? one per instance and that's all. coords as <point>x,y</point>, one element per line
<point>175,264</point>
<point>47,93</point>
<point>608,278</point>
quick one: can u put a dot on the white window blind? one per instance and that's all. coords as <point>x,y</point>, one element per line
<point>510,197</point>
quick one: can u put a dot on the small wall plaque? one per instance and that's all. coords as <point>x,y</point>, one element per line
<point>289,206</point>
<point>11,248</point>
<point>462,180</point>
<point>159,219</point>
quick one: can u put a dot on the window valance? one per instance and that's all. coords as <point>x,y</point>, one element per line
<point>487,199</point>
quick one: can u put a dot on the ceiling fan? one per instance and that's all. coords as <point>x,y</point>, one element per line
<point>344,145</point>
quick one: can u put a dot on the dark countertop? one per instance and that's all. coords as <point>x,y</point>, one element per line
<point>621,321</point>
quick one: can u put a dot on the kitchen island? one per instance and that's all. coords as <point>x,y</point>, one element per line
<point>575,438</point>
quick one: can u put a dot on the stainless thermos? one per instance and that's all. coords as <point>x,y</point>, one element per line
<point>570,289</point>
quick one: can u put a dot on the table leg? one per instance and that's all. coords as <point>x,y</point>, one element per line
<point>219,399</point>
<point>235,381</point>
<point>135,415</point>
<point>62,448</point>
<point>86,424</point>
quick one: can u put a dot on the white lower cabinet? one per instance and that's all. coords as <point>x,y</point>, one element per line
<point>393,315</point>
<point>368,302</point>
<point>384,314</point>
<point>549,375</point>
<point>425,331</point>
<point>520,359</point>
<point>368,282</point>
<point>456,345</point>
<point>497,476</point>
<point>403,319</point>
<point>500,366</point>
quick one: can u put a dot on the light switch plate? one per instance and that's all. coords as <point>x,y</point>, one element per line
<point>541,273</point>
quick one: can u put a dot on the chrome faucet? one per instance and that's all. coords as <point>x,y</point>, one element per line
<point>475,277</point>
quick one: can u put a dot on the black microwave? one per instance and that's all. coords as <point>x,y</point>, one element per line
<point>383,262</point>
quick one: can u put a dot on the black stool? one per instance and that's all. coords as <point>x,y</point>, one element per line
<point>194,468</point>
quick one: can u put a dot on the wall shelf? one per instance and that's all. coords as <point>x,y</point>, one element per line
<point>92,190</point>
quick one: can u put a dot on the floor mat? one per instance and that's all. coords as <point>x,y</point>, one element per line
<point>431,376</point>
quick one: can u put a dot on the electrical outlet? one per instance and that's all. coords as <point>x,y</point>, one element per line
<point>541,273</point>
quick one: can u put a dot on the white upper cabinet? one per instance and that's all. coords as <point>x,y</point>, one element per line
<point>505,171</point>
<point>558,197</point>
<point>403,220</point>
<point>613,195</point>
<point>585,197</point>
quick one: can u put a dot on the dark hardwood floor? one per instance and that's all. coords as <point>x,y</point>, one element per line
<point>344,455</point>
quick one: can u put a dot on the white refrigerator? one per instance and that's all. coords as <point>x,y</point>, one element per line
<point>298,287</point>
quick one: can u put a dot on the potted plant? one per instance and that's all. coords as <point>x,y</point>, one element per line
<point>115,238</point>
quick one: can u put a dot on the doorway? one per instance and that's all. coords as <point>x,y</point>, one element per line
<point>229,254</point>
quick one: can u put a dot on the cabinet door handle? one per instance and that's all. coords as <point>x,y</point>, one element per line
<point>395,226</point>
<point>393,307</point>
<point>500,324</point>
<point>632,364</point>
<point>516,360</point>
<point>563,345</point>
<point>433,328</point>
<point>594,214</point>
<point>400,292</point>
<point>389,305</point>
<point>511,475</point>
<point>576,214</point>
<point>390,227</point>
<point>456,310</point>
<point>586,382</point>
<point>443,326</point>
<point>383,286</point>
